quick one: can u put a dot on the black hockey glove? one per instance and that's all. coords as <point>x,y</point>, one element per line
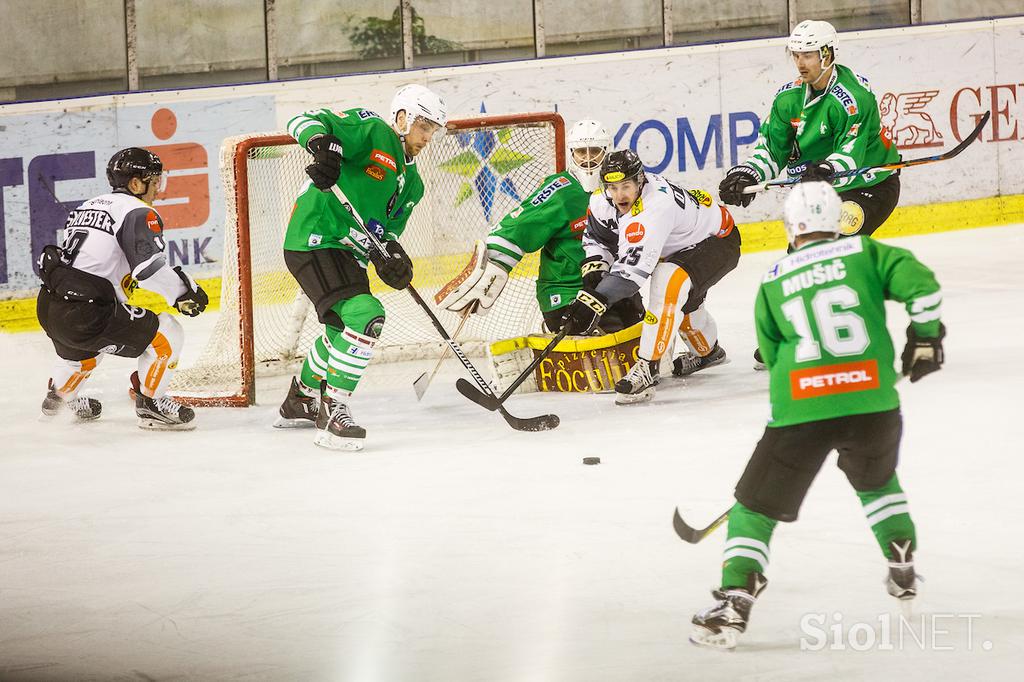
<point>730,190</point>
<point>921,355</point>
<point>396,270</point>
<point>593,270</point>
<point>585,312</point>
<point>326,166</point>
<point>194,300</point>
<point>819,171</point>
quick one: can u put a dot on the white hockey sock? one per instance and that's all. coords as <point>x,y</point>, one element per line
<point>69,375</point>
<point>157,362</point>
<point>670,287</point>
<point>699,331</point>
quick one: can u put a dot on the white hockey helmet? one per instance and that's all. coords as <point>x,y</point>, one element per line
<point>587,134</point>
<point>811,207</point>
<point>814,36</point>
<point>417,102</point>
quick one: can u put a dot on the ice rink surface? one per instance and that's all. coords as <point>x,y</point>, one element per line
<point>453,548</point>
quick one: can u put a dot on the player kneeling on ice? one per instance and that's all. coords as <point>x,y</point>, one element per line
<point>111,245</point>
<point>325,249</point>
<point>642,227</point>
<point>820,318</point>
<point>551,220</point>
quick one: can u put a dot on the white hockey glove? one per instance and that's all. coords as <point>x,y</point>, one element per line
<point>477,287</point>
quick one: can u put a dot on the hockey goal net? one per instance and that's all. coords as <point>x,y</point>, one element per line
<point>473,175</point>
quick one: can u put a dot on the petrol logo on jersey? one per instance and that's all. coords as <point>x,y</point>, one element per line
<point>650,318</point>
<point>634,232</point>
<point>375,172</point>
<point>384,159</point>
<point>638,207</point>
<point>848,377</point>
<point>547,191</point>
<point>129,284</point>
<point>702,197</point>
<point>579,225</point>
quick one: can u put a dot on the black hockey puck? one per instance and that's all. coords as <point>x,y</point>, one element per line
<point>591,460</point>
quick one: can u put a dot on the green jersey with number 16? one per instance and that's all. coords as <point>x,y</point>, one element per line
<point>820,317</point>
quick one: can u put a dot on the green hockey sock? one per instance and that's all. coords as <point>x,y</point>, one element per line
<point>350,354</point>
<point>746,548</point>
<point>889,515</point>
<point>314,369</point>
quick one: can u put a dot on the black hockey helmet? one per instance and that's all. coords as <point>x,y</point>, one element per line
<point>133,162</point>
<point>621,165</point>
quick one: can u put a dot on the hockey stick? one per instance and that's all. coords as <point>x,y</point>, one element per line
<point>693,535</point>
<point>422,382</point>
<point>539,423</point>
<point>492,403</point>
<point>887,166</point>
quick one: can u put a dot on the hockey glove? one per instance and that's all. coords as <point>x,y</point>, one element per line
<point>730,190</point>
<point>593,270</point>
<point>396,269</point>
<point>820,171</point>
<point>585,312</point>
<point>194,300</point>
<point>326,166</point>
<point>922,355</point>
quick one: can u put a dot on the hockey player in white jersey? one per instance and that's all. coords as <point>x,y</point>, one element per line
<point>644,228</point>
<point>112,244</point>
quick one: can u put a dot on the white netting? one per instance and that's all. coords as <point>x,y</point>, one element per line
<point>473,176</point>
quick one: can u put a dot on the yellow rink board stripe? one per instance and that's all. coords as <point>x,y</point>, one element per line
<point>18,315</point>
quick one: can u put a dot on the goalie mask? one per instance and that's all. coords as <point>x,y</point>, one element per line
<point>417,102</point>
<point>587,143</point>
<point>811,207</point>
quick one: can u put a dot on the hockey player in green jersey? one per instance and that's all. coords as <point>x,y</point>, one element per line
<point>374,162</point>
<point>820,319</point>
<point>551,220</point>
<point>825,121</point>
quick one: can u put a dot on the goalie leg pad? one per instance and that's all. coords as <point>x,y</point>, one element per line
<point>478,285</point>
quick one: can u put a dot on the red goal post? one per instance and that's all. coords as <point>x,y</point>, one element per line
<point>473,175</point>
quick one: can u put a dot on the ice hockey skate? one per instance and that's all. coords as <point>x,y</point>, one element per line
<point>759,361</point>
<point>638,384</point>
<point>720,626</point>
<point>336,430</point>
<point>84,409</point>
<point>163,414</point>
<point>299,409</point>
<point>902,580</point>
<point>688,363</point>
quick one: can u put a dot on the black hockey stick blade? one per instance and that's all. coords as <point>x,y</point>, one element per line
<point>544,422</point>
<point>485,401</point>
<point>693,535</point>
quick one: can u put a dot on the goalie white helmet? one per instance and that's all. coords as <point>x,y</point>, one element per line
<point>811,207</point>
<point>814,36</point>
<point>417,102</point>
<point>587,143</point>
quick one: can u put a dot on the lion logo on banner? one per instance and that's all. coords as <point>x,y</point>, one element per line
<point>906,121</point>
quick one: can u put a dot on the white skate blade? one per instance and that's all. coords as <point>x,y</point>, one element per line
<point>634,398</point>
<point>329,441</point>
<point>150,424</point>
<point>724,640</point>
<point>300,423</point>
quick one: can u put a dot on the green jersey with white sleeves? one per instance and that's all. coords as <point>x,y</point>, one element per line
<point>840,124</point>
<point>382,183</point>
<point>821,329</point>
<point>551,220</point>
